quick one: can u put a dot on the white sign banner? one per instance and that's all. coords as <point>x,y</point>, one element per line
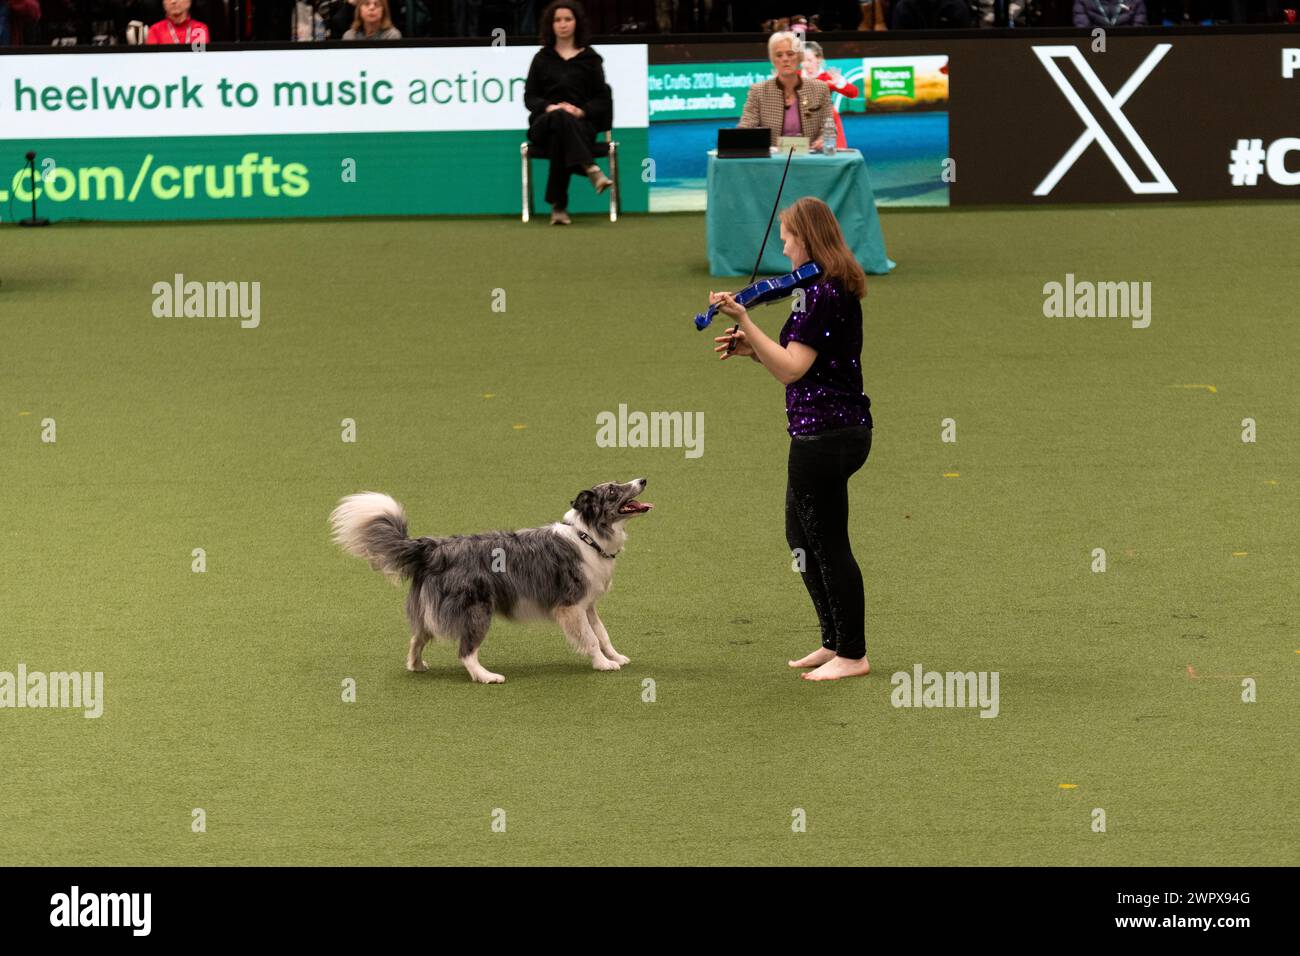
<point>231,93</point>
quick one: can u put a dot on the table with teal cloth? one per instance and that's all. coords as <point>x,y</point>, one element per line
<point>741,192</point>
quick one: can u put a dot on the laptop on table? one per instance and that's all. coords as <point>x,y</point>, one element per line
<point>747,143</point>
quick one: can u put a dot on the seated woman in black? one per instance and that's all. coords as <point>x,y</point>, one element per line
<point>568,103</point>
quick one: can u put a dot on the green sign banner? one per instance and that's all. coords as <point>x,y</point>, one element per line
<point>311,132</point>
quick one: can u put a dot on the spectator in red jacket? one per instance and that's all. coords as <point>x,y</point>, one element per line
<point>15,15</point>
<point>178,27</point>
<point>814,68</point>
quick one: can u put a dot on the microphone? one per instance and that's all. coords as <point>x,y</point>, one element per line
<point>33,219</point>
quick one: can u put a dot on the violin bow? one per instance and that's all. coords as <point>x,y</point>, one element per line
<point>731,346</point>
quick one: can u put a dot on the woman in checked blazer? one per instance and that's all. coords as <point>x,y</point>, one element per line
<point>788,104</point>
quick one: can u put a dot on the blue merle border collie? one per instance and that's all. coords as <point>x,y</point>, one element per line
<point>556,572</point>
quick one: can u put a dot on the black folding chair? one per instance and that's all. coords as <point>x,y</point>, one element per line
<point>606,147</point>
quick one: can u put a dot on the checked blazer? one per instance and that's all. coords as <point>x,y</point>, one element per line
<point>765,106</point>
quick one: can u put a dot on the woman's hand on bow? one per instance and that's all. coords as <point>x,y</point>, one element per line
<point>742,345</point>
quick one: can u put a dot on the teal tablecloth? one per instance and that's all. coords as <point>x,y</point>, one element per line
<point>741,192</point>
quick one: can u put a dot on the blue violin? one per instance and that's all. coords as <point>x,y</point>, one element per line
<point>764,290</point>
<point>768,290</point>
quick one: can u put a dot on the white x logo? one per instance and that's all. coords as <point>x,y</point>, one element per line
<point>1092,128</point>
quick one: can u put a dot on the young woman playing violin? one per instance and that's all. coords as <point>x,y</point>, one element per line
<point>819,361</point>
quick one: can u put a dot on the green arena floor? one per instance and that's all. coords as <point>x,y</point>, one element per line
<point>1120,691</point>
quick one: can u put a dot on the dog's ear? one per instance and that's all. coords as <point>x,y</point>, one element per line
<point>585,503</point>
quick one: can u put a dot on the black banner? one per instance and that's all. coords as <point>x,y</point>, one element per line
<point>1039,116</point>
<point>920,905</point>
<point>1151,119</point>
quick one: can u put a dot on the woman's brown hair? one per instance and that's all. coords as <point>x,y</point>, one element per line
<point>385,22</point>
<point>547,23</point>
<point>813,224</point>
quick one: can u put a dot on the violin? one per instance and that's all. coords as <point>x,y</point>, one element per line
<point>767,290</point>
<point>764,290</point>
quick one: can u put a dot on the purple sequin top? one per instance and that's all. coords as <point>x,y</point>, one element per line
<point>830,393</point>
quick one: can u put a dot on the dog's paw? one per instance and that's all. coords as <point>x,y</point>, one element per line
<point>605,664</point>
<point>487,677</point>
<point>622,659</point>
<point>419,667</point>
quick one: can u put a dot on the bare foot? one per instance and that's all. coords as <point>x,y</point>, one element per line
<point>838,667</point>
<point>816,659</point>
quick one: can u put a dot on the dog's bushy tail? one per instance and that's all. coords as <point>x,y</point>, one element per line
<point>373,526</point>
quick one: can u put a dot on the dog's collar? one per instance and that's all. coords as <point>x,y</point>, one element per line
<point>592,541</point>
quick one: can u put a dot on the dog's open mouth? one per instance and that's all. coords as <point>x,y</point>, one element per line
<point>634,507</point>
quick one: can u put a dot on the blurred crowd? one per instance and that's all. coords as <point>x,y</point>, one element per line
<point>108,22</point>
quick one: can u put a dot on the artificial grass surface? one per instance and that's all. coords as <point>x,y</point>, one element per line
<point>223,688</point>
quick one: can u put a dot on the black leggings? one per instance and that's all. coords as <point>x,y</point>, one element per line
<point>569,143</point>
<point>817,522</point>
